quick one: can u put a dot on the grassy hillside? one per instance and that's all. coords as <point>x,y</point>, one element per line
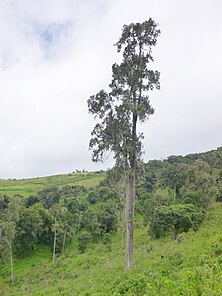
<point>173,196</point>
<point>32,186</point>
<point>192,266</point>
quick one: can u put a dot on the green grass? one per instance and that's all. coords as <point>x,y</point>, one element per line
<point>161,267</point>
<point>28,187</point>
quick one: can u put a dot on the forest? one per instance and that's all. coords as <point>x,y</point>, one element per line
<point>174,197</point>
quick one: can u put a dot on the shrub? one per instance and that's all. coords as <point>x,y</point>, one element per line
<point>175,219</point>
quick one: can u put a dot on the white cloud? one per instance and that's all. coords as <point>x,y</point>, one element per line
<point>54,56</point>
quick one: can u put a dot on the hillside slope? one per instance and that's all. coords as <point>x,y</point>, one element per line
<point>191,265</point>
<point>81,215</point>
<point>32,186</point>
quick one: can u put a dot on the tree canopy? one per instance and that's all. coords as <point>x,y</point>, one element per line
<point>127,101</point>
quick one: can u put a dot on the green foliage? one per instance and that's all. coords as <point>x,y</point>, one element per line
<point>190,265</point>
<point>9,217</point>
<point>4,201</point>
<point>106,217</point>
<point>127,101</point>
<point>92,197</point>
<point>49,197</point>
<point>107,239</point>
<point>134,285</point>
<point>194,198</point>
<point>175,219</point>
<point>201,181</point>
<point>219,198</point>
<point>158,198</point>
<point>190,268</point>
<point>101,195</point>
<point>28,229</point>
<point>83,239</point>
<point>106,194</point>
<point>174,176</point>
<point>213,158</point>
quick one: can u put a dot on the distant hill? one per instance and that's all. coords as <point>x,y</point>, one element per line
<point>31,186</point>
<point>213,158</point>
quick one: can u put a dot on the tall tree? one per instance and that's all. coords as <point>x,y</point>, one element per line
<point>120,110</point>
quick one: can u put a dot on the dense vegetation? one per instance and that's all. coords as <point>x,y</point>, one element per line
<point>62,239</point>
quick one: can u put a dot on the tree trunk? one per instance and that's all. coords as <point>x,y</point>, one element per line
<point>79,223</point>
<point>130,204</point>
<point>175,234</point>
<point>64,242</point>
<point>121,225</point>
<point>11,262</point>
<point>54,244</point>
<point>123,228</point>
<point>130,196</point>
<point>122,235</point>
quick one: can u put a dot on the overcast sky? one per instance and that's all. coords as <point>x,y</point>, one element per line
<point>54,54</point>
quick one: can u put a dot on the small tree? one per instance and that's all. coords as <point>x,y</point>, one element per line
<point>57,211</point>
<point>8,219</point>
<point>120,110</point>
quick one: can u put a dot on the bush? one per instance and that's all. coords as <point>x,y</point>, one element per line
<point>135,285</point>
<point>175,219</point>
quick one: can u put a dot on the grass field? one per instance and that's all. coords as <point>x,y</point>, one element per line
<point>32,186</point>
<point>163,267</point>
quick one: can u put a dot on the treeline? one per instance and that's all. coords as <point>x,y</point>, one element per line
<point>175,193</point>
<point>54,217</point>
<point>173,196</point>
